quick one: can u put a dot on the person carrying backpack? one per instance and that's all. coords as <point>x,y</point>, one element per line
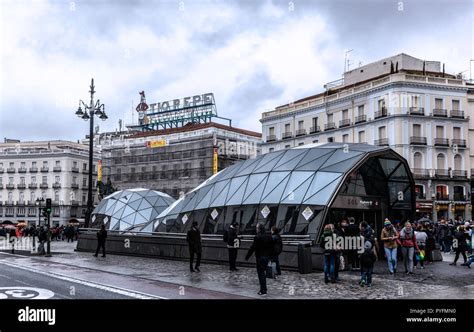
<point>277,248</point>
<point>232,240</point>
<point>409,245</point>
<point>367,261</point>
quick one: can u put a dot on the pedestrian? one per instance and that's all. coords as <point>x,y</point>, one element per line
<point>231,237</point>
<point>13,239</point>
<point>367,261</point>
<point>421,238</point>
<point>390,240</point>
<point>353,232</point>
<point>262,246</point>
<point>329,246</point>
<point>195,248</point>
<point>277,248</point>
<point>461,237</point>
<point>101,237</point>
<point>409,245</point>
<point>367,232</point>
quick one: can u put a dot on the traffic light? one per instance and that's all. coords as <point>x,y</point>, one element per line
<point>48,205</point>
<point>44,213</point>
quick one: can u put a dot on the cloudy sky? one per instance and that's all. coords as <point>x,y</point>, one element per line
<point>253,55</point>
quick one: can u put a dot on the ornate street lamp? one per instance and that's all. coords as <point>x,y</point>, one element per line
<point>90,110</point>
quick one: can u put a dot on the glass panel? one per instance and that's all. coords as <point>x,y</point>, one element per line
<point>297,187</point>
<point>191,202</point>
<point>269,161</point>
<point>322,196</point>
<point>388,165</point>
<point>274,180</point>
<point>290,160</point>
<point>275,195</point>
<point>321,180</point>
<point>341,166</point>
<point>339,155</point>
<point>237,198</point>
<point>255,188</point>
<point>235,185</point>
<point>249,167</point>
<point>204,203</point>
<point>220,193</point>
<point>314,159</point>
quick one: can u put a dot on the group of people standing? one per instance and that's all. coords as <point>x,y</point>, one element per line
<point>266,246</point>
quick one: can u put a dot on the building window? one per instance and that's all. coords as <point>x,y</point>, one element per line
<point>330,139</point>
<point>360,110</point>
<point>271,131</point>
<point>361,137</point>
<point>442,192</point>
<point>33,179</point>
<point>32,196</point>
<point>74,180</point>
<point>56,196</point>
<point>382,132</point>
<point>441,161</point>
<point>58,163</point>
<point>330,118</point>
<point>418,160</point>
<point>415,101</point>
<point>287,146</point>
<point>10,196</point>
<point>439,131</point>
<point>417,130</point>
<point>315,141</point>
<point>438,103</point>
<point>381,105</point>
<point>271,149</point>
<point>22,180</point>
<point>74,164</point>
<point>22,196</point>
<point>300,143</point>
<point>45,164</point>
<point>458,162</point>
<point>84,167</point>
<point>10,180</point>
<point>456,133</point>
<point>33,164</point>
<point>45,179</point>
<point>345,138</point>
<point>455,105</point>
<point>300,125</point>
<point>84,182</point>
<point>315,122</point>
<point>345,114</point>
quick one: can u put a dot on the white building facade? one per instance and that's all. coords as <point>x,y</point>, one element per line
<point>402,102</point>
<point>34,170</point>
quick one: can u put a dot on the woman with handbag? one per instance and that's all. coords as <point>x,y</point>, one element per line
<point>421,238</point>
<point>409,245</point>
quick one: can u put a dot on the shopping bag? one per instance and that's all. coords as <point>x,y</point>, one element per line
<point>271,270</point>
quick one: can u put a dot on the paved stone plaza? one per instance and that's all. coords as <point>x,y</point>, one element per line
<point>436,281</point>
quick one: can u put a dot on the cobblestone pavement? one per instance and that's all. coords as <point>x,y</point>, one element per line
<point>436,281</point>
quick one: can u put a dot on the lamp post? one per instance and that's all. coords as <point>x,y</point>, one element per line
<point>94,108</point>
<point>38,203</point>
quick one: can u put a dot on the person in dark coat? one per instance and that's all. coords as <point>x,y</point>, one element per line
<point>367,261</point>
<point>194,242</point>
<point>13,239</point>
<point>461,237</point>
<point>101,237</point>
<point>262,246</point>
<point>233,244</point>
<point>277,248</point>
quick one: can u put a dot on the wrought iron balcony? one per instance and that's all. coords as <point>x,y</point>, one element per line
<point>75,170</point>
<point>461,143</point>
<point>10,170</point>
<point>361,118</point>
<point>344,123</point>
<point>313,130</point>
<point>10,186</point>
<point>457,114</point>
<point>417,140</point>
<point>442,197</point>
<point>459,197</point>
<point>21,186</point>
<point>441,113</point>
<point>57,169</point>
<point>1,170</point>
<point>329,126</point>
<point>444,173</point>
<point>421,172</point>
<point>287,134</point>
<point>32,186</point>
<point>74,186</point>
<point>21,203</point>
<point>85,171</point>
<point>381,113</point>
<point>22,170</point>
<point>56,185</point>
<point>441,142</point>
<point>459,174</point>
<point>44,169</point>
<point>417,111</point>
<point>381,142</point>
<point>74,203</point>
<point>33,169</point>
<point>301,132</point>
<point>44,186</point>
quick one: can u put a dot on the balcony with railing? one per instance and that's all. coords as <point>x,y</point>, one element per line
<point>381,113</point>
<point>313,130</point>
<point>361,118</point>
<point>441,142</point>
<point>33,169</point>
<point>85,171</point>
<point>1,185</point>
<point>10,186</point>
<point>440,112</point>
<point>22,170</point>
<point>442,173</point>
<point>381,142</point>
<point>74,203</point>
<point>457,114</point>
<point>75,169</point>
<point>417,111</point>
<point>21,186</point>
<point>344,123</point>
<point>57,169</point>
<point>10,170</point>
<point>32,203</point>
<point>32,186</point>
<point>1,170</point>
<point>271,138</point>
<point>44,169</point>
<point>459,173</point>
<point>329,126</point>
<point>74,186</point>
<point>56,185</point>
<point>460,143</point>
<point>417,140</point>
<point>442,197</point>
<point>287,134</point>
<point>421,173</point>
<point>44,186</point>
<point>21,203</point>
<point>300,132</point>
